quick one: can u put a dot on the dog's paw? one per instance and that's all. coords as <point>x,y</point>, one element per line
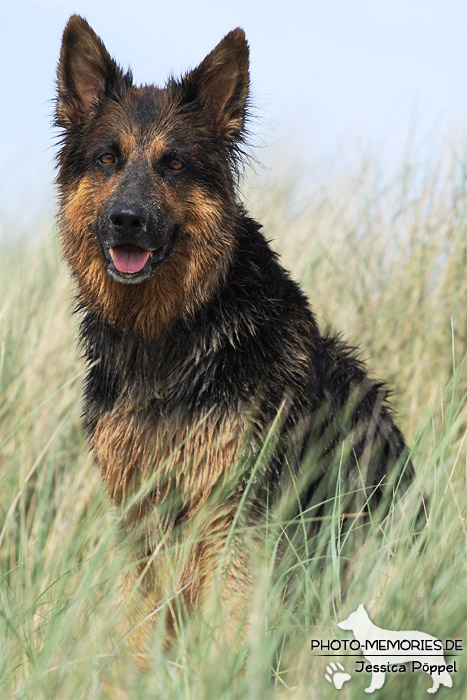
<point>337,675</point>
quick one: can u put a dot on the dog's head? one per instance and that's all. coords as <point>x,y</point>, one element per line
<point>147,174</point>
<point>355,619</point>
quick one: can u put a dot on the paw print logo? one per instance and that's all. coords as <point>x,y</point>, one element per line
<point>336,675</point>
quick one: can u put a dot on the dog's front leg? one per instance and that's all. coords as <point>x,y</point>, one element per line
<point>377,681</point>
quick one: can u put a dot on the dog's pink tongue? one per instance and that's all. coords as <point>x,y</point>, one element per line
<point>129,258</point>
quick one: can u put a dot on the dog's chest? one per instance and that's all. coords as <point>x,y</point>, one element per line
<point>138,442</point>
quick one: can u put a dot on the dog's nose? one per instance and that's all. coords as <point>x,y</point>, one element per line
<point>129,219</point>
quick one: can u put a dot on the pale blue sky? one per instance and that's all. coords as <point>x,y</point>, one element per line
<point>328,77</point>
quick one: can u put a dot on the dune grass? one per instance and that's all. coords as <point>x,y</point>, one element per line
<point>386,264</point>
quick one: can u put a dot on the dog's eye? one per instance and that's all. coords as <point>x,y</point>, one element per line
<point>176,164</point>
<point>107,159</point>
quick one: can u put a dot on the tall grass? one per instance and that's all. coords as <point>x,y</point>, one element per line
<point>386,264</point>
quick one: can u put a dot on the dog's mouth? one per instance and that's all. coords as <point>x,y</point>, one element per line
<point>128,258</point>
<point>129,263</point>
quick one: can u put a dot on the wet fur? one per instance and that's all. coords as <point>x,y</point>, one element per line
<point>189,369</point>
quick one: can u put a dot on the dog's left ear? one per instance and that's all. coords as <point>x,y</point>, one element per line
<point>221,83</point>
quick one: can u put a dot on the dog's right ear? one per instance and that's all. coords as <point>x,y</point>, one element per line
<point>85,75</point>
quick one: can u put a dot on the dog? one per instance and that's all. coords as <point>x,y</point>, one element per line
<point>366,632</point>
<point>200,348</point>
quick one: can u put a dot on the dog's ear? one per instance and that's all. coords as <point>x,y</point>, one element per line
<point>85,75</point>
<point>221,83</point>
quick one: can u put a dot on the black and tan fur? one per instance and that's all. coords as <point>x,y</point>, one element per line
<point>192,358</point>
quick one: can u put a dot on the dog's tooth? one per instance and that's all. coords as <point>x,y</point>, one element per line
<point>111,252</point>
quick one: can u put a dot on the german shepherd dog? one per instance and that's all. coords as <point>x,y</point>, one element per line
<point>200,346</point>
